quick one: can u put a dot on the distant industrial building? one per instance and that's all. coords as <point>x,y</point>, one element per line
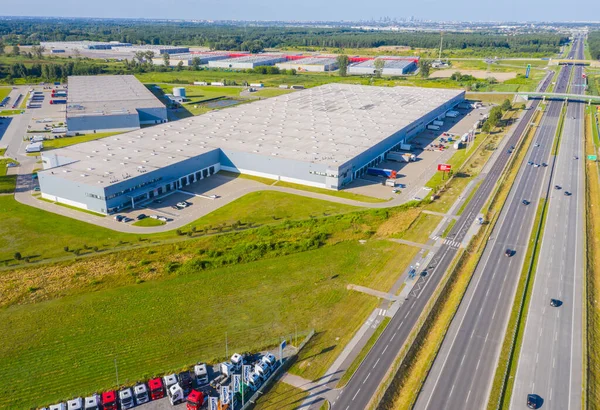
<point>188,58</point>
<point>82,45</point>
<point>111,103</point>
<point>246,62</point>
<point>156,49</point>
<point>311,64</point>
<point>325,137</point>
<point>392,67</point>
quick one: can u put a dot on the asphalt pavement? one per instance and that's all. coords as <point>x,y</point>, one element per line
<point>365,382</point>
<point>462,374</point>
<point>550,361</point>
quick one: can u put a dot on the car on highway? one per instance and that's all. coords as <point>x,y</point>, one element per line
<point>575,157</point>
<point>509,252</point>
<point>557,187</point>
<point>567,193</point>
<point>532,401</point>
<point>424,273</point>
<point>537,145</point>
<point>530,163</point>
<point>544,164</point>
<point>525,202</point>
<point>536,165</point>
<point>555,302</point>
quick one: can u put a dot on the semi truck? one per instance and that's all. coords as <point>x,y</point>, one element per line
<point>58,101</point>
<point>156,388</point>
<point>380,172</point>
<point>433,127</point>
<point>437,122</point>
<point>195,400</point>
<point>405,147</point>
<point>452,114</point>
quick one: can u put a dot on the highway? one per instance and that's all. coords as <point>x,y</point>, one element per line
<point>462,373</point>
<point>363,385</point>
<point>550,361</point>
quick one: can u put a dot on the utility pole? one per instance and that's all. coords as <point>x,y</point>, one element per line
<point>441,41</point>
<point>117,371</point>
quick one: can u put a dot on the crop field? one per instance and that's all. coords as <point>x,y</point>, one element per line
<point>42,235</point>
<point>69,345</point>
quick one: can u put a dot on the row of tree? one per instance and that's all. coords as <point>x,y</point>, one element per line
<point>594,44</point>
<point>254,39</point>
<point>496,115</point>
<point>50,71</point>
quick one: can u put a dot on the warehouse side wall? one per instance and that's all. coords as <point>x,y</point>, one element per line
<point>56,189</point>
<point>94,123</point>
<point>153,115</point>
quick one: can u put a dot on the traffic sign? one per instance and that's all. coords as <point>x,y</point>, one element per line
<point>444,167</point>
<point>593,157</point>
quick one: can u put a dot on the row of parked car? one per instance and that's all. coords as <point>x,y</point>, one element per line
<point>191,387</point>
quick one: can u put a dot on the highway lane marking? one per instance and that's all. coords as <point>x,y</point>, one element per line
<point>400,325</point>
<point>355,394</point>
<point>451,390</point>
<point>478,361</point>
<point>467,400</point>
<point>376,363</point>
<point>463,359</point>
<point>537,356</point>
<point>553,362</point>
<point>366,377</point>
<point>392,338</point>
<point>386,346</point>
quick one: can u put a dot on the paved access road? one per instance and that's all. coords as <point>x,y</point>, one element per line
<point>462,374</point>
<point>550,361</point>
<point>363,385</point>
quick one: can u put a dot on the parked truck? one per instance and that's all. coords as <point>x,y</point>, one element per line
<point>433,127</point>
<point>58,101</point>
<point>195,400</point>
<point>409,157</point>
<point>175,393</point>
<point>405,147</point>
<point>157,391</point>
<point>437,122</point>
<point>380,172</point>
<point>452,114</point>
<point>37,138</point>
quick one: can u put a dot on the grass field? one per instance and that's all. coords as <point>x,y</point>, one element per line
<point>4,91</point>
<point>147,222</point>
<point>32,231</point>
<point>281,396</point>
<point>271,92</point>
<point>7,182</point>
<point>78,337</point>
<point>66,141</point>
<point>10,112</point>
<point>421,228</point>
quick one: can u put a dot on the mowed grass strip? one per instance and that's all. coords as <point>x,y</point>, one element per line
<point>67,141</point>
<point>339,194</point>
<point>421,228</point>
<point>69,345</point>
<point>7,182</point>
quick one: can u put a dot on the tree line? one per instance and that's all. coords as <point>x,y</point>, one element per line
<point>255,39</point>
<point>594,44</point>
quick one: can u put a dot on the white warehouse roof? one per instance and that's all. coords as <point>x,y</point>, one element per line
<point>108,94</point>
<point>329,124</point>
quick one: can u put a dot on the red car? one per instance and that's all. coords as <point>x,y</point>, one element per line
<point>109,400</point>
<point>157,390</point>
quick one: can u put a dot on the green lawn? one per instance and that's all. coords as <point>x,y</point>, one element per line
<point>10,112</point>
<point>73,341</point>
<point>32,231</point>
<point>4,91</point>
<point>7,182</point>
<point>66,141</point>
<point>271,92</point>
<point>149,222</point>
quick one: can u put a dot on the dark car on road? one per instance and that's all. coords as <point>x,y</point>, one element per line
<point>557,187</point>
<point>555,302</point>
<point>567,193</point>
<point>141,216</point>
<point>532,401</point>
<point>525,202</point>
<point>509,252</point>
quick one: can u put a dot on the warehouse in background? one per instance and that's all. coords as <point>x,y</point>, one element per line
<point>111,103</point>
<point>325,137</point>
<point>391,67</point>
<point>311,64</point>
<point>187,60</point>
<point>247,61</point>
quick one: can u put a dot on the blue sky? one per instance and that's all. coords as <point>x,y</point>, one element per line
<point>482,10</point>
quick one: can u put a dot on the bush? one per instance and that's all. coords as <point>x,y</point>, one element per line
<point>18,256</point>
<point>66,248</point>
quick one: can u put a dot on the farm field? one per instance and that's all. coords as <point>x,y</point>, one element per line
<point>74,340</point>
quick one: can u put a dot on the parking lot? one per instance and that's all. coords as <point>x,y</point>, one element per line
<point>414,175</point>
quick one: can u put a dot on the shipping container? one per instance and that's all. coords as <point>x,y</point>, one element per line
<point>433,127</point>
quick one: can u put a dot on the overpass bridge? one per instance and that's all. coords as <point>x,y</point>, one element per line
<point>559,96</point>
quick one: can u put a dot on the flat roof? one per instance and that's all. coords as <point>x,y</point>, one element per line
<point>108,95</point>
<point>254,58</point>
<point>312,61</point>
<point>389,63</point>
<point>329,125</point>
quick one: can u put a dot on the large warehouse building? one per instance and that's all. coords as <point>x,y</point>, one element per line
<point>111,103</point>
<point>325,137</point>
<point>312,64</point>
<point>246,62</point>
<point>391,67</point>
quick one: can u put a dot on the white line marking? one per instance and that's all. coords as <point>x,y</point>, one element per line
<point>355,394</point>
<point>376,363</point>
